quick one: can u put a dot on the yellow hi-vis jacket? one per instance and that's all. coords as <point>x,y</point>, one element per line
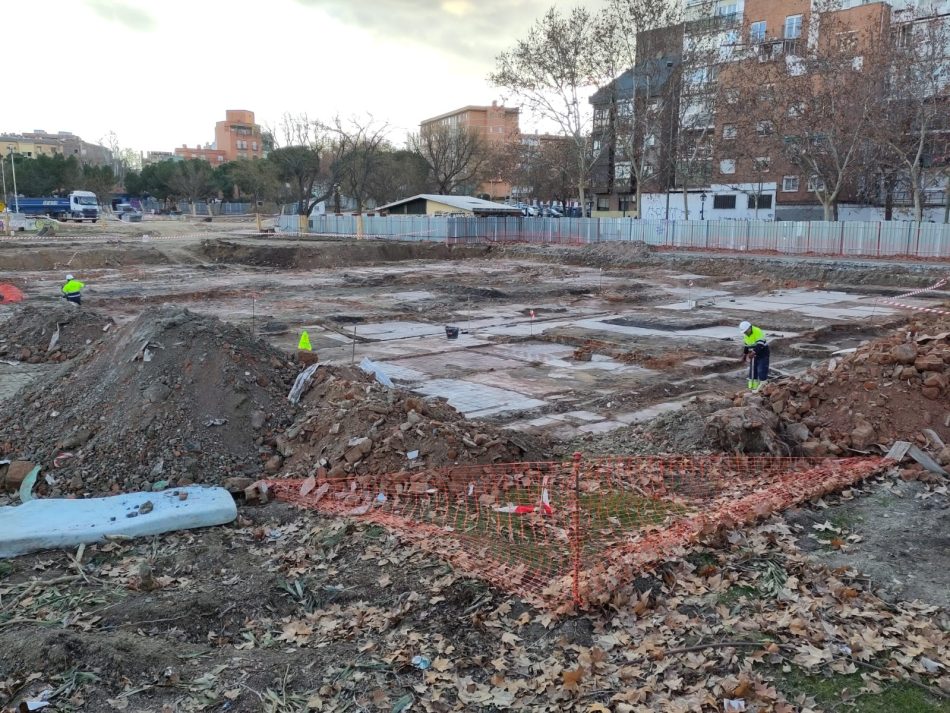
<point>72,287</point>
<point>755,337</point>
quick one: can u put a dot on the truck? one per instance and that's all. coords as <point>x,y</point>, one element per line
<point>78,206</point>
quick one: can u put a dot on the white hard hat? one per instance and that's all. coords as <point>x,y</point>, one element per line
<point>69,277</point>
<point>743,326</point>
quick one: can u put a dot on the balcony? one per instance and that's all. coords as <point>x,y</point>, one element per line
<point>771,49</point>
<point>713,24</point>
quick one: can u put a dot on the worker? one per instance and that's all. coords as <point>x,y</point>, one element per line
<point>755,350</point>
<point>72,290</point>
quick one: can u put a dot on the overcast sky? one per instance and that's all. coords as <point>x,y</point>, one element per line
<point>159,73</point>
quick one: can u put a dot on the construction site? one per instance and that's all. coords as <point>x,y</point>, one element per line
<point>471,477</point>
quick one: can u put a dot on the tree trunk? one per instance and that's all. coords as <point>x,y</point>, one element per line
<point>888,199</point>
<point>828,207</point>
<point>639,201</point>
<point>685,202</point>
<point>946,203</point>
<point>918,198</point>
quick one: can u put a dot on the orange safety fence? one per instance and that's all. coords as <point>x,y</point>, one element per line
<point>573,534</point>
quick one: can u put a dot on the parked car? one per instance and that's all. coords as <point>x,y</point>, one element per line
<point>126,212</point>
<point>549,212</point>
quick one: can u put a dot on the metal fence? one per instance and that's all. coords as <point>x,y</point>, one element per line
<point>874,239</point>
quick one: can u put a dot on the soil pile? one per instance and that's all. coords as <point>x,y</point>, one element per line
<point>353,425</point>
<point>891,389</point>
<point>51,333</point>
<point>887,390</point>
<point>174,398</point>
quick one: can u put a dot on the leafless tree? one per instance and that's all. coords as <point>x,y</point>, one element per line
<point>456,156</point>
<point>642,42</point>
<point>552,71</point>
<point>363,142</point>
<point>914,105</point>
<point>546,169</point>
<point>817,94</point>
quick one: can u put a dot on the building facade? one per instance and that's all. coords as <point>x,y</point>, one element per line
<point>497,125</point>
<point>238,136</point>
<point>741,111</point>
<point>206,153</point>
<point>63,143</point>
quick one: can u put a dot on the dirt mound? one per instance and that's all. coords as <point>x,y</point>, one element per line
<point>886,390</point>
<point>353,425</point>
<point>51,333</point>
<point>614,253</point>
<point>173,398</point>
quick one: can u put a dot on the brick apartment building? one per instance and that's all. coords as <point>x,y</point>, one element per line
<point>496,125</point>
<point>235,138</point>
<point>238,136</point>
<point>709,129</point>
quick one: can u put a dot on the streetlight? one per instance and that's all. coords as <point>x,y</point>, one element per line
<point>16,198</point>
<point>702,205</point>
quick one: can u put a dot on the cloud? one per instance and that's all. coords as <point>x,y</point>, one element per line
<point>121,12</point>
<point>475,30</point>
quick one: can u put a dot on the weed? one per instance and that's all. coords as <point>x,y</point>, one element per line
<point>843,692</point>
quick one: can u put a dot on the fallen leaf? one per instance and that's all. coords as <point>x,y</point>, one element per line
<point>572,678</point>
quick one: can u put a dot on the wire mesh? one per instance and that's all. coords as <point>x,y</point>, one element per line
<point>566,534</point>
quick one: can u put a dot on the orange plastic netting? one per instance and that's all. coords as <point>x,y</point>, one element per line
<point>565,534</point>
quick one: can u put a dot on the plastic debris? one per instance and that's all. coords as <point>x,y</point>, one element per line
<point>421,662</point>
<point>26,487</point>
<point>371,367</point>
<point>300,383</point>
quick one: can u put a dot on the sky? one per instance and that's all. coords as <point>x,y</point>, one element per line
<point>160,73</point>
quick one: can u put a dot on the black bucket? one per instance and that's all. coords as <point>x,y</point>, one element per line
<point>452,332</point>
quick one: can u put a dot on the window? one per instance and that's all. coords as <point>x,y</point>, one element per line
<point>732,96</point>
<point>790,184</point>
<point>724,202</point>
<point>254,145</point>
<point>603,203</point>
<point>622,171</point>
<point>857,64</point>
<point>757,31</point>
<point>729,131</point>
<point>625,108</point>
<point>650,141</point>
<point>762,164</point>
<point>765,202</point>
<point>597,146</point>
<point>764,128</point>
<point>727,166</point>
<point>793,27</point>
<point>796,110</point>
<point>726,10</point>
<point>815,183</point>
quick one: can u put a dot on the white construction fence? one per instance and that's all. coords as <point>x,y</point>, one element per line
<point>856,239</point>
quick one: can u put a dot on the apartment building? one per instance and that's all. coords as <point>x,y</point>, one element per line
<point>747,72</point>
<point>497,125</point>
<point>238,136</point>
<point>208,153</point>
<point>62,143</point>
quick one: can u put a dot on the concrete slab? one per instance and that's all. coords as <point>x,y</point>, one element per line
<point>477,400</point>
<point>532,351</point>
<point>583,416</point>
<point>648,414</point>
<point>397,330</point>
<point>396,372</point>
<point>457,363</point>
<point>602,427</point>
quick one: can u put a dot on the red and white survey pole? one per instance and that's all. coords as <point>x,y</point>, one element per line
<point>532,322</point>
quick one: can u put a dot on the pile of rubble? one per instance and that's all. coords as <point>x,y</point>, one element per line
<point>173,398</point>
<point>351,424</point>
<point>891,389</point>
<point>51,333</point>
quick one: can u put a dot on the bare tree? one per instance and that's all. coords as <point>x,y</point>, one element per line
<point>309,160</point>
<point>914,100</point>
<point>817,93</point>
<point>552,71</point>
<point>546,169</point>
<point>364,141</point>
<point>456,156</point>
<point>642,41</point>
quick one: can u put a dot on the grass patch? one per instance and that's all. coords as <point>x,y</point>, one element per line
<point>6,569</point>
<point>737,592</point>
<point>842,692</point>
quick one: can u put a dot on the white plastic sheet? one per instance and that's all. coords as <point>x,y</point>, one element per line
<point>371,367</point>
